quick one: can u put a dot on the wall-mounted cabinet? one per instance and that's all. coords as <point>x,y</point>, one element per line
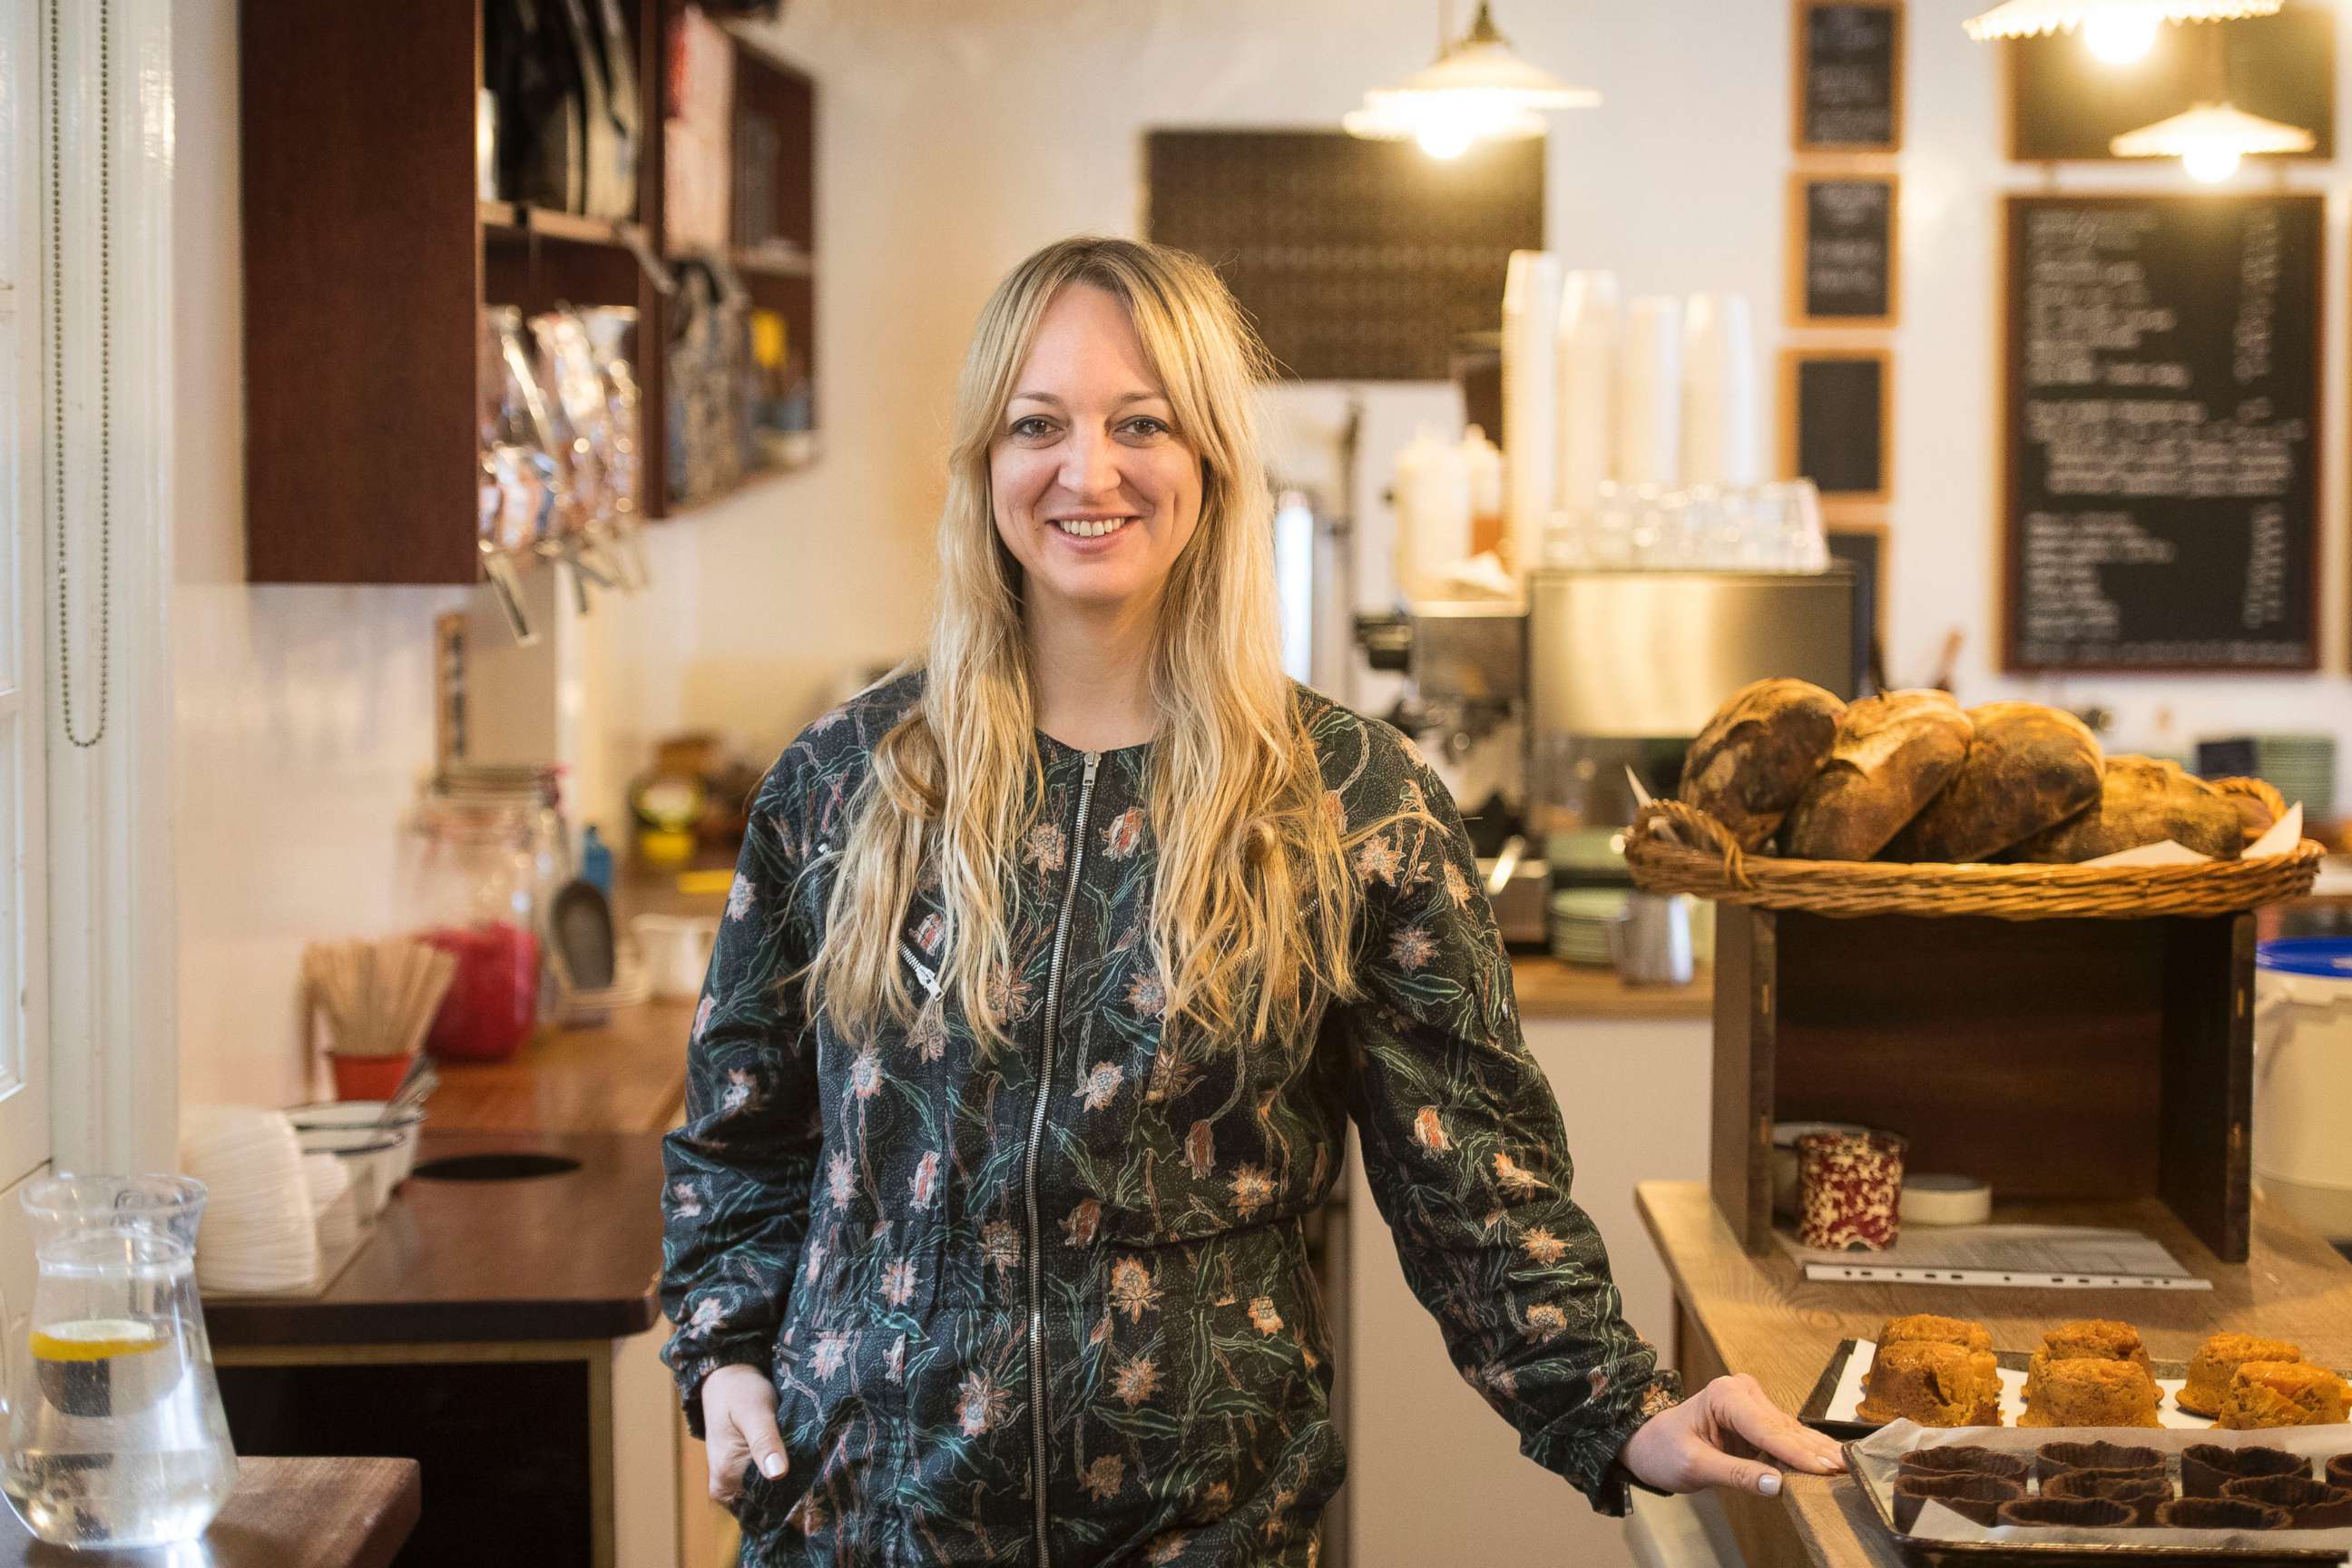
<point>370,255</point>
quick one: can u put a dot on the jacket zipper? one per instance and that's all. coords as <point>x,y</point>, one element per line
<point>923,971</point>
<point>1029,1165</point>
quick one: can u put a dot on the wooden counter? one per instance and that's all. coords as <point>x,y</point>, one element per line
<point>1757,1315</point>
<point>554,1257</point>
<point>1548,988</point>
<point>285,1513</point>
<point>626,1076</point>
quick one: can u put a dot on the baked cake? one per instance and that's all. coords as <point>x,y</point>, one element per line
<point>2217,1362</point>
<point>2282,1393</point>
<point>1927,1328</point>
<point>2086,1339</point>
<point>2087,1393</point>
<point>1921,1380</point>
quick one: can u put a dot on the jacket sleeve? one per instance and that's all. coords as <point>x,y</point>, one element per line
<point>1467,1156</point>
<point>736,1175</point>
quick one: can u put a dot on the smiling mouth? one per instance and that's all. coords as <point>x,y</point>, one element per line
<point>1091,527</point>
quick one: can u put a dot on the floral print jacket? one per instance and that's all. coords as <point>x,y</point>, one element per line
<point>1052,1306</point>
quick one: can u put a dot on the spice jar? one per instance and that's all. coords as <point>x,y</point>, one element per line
<point>473,881</point>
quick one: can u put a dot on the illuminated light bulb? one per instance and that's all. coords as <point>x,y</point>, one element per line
<point>2120,38</point>
<point>2211,165</point>
<point>1444,138</point>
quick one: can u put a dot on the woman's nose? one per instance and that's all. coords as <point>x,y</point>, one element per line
<point>1090,466</point>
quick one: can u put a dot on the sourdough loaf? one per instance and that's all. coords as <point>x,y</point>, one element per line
<point>1892,754</point>
<point>1757,753</point>
<point>2143,801</point>
<point>2028,767</point>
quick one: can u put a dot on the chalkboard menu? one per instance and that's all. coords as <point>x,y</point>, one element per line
<point>1842,272</point>
<point>1835,421</point>
<point>2160,425</point>
<point>1849,88</point>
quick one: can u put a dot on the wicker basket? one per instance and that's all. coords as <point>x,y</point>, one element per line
<point>1659,852</point>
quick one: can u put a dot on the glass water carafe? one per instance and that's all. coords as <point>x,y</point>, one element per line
<point>115,1434</point>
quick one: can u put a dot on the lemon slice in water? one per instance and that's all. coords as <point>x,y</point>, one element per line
<point>95,1339</point>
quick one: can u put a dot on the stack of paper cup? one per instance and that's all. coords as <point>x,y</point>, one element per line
<point>1718,403</point>
<point>1587,391</point>
<point>1531,296</point>
<point>259,1232</point>
<point>1649,392</point>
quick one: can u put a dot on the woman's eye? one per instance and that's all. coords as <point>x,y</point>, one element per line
<point>1034,427</point>
<point>1144,425</point>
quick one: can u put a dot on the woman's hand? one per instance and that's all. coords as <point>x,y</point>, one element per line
<point>1714,1438</point>
<point>739,1412</point>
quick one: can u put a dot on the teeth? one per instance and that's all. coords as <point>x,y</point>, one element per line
<point>1091,528</point>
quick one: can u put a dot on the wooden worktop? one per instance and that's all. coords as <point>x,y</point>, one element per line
<point>1757,1315</point>
<point>285,1513</point>
<point>627,1075</point>
<point>568,1256</point>
<point>1549,989</point>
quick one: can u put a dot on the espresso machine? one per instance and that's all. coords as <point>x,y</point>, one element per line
<point>1535,715</point>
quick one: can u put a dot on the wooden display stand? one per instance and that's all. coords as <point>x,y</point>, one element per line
<point>2054,1058</point>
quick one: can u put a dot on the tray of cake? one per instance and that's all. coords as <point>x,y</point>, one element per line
<point>1944,1373</point>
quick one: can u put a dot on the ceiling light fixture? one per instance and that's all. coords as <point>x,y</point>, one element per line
<point>2214,136</point>
<point>2211,138</point>
<point>2112,23</point>
<point>1476,90</point>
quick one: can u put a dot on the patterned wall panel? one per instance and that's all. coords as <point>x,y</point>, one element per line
<point>1359,261</point>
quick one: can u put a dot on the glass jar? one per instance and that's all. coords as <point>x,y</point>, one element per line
<point>473,885</point>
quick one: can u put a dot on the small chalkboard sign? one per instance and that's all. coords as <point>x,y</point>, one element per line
<point>1841,267</point>
<point>1837,422</point>
<point>2160,429</point>
<point>1849,76</point>
<point>1862,547</point>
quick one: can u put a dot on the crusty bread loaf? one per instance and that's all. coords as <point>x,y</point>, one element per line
<point>1757,753</point>
<point>2029,767</point>
<point>2254,811</point>
<point>1892,752</point>
<point>2142,801</point>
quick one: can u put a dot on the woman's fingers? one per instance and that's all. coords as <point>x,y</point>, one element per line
<point>1706,1465</point>
<point>766,1445</point>
<point>1742,1407</point>
<point>738,1412</point>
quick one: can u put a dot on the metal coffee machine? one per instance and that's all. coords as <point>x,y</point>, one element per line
<point>1533,717</point>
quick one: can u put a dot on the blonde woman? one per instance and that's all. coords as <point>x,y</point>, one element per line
<point>1051,967</point>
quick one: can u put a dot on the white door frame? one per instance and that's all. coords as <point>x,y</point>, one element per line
<point>112,921</point>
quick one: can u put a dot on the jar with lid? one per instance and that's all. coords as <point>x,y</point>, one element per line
<point>473,885</point>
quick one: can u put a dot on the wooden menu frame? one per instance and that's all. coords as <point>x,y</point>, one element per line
<point>1839,505</point>
<point>1800,34</point>
<point>1800,242</point>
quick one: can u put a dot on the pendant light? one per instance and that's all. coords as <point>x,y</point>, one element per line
<point>2213,136</point>
<point>1476,90</point>
<point>2112,24</point>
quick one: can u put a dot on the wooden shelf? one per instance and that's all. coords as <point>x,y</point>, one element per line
<point>357,164</point>
<point>773,263</point>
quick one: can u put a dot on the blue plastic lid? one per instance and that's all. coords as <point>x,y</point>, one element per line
<point>2329,957</point>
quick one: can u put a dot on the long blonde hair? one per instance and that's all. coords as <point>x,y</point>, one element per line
<point>1254,904</point>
